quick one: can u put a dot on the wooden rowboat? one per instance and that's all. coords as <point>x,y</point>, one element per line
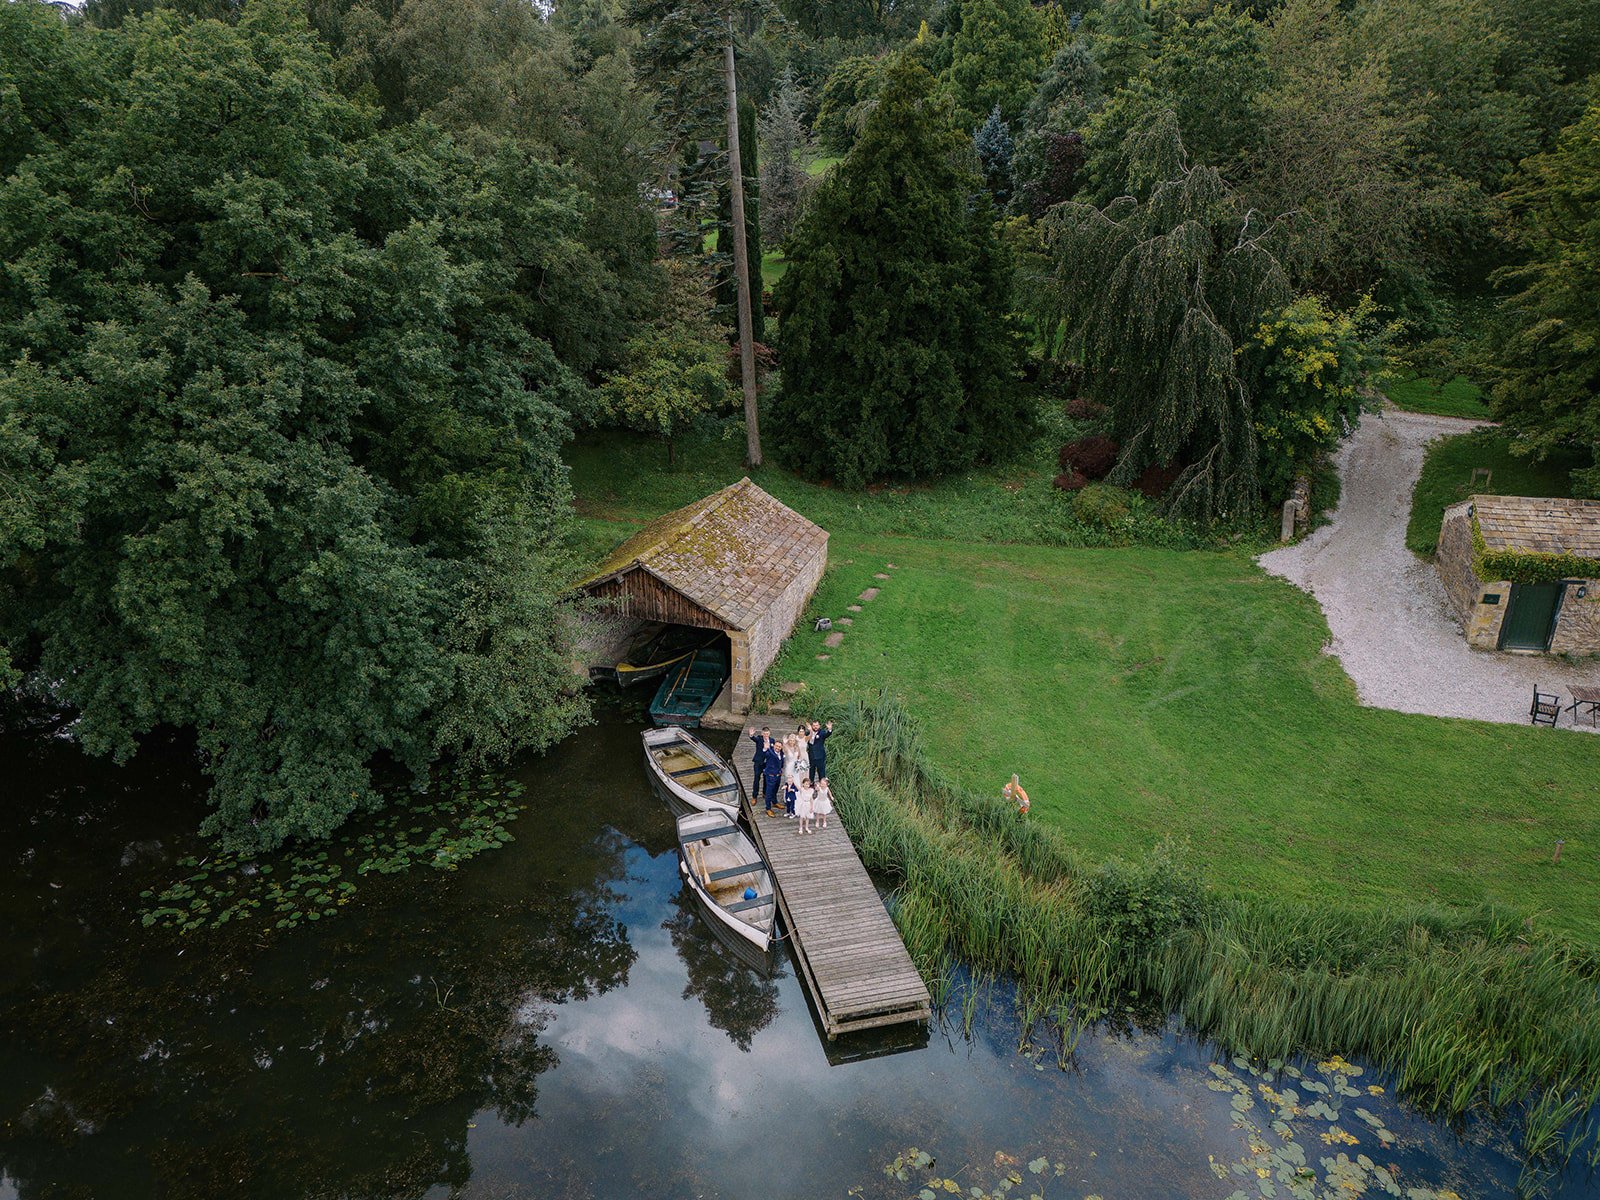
<point>690,687</point>
<point>652,652</point>
<point>689,775</point>
<point>730,881</point>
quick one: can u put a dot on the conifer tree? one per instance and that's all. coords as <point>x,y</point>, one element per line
<point>994,58</point>
<point>784,142</point>
<point>992,142</point>
<point>899,358</point>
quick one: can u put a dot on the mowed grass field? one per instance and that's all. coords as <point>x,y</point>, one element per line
<point>1141,692</point>
<point>1446,478</point>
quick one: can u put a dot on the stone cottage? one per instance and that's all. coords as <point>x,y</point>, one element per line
<point>736,561</point>
<point>1523,573</point>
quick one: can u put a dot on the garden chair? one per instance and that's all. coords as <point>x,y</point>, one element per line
<point>1546,708</point>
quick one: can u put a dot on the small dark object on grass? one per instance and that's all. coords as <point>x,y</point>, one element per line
<point>1070,481</point>
<point>1093,456</point>
<point>824,623</point>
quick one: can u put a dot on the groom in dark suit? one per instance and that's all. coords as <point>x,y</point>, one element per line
<point>819,750</point>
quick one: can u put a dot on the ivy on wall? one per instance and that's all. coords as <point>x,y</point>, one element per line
<point>1527,566</point>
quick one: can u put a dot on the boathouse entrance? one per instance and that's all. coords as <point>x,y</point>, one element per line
<point>737,561</point>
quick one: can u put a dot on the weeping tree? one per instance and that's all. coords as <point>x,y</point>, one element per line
<point>1160,294</point>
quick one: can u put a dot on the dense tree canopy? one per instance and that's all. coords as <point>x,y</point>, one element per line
<point>1547,345</point>
<point>282,412</point>
<point>899,358</point>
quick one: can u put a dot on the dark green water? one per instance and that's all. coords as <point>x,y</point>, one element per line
<point>553,1020</point>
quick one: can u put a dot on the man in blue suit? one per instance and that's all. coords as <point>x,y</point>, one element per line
<point>772,775</point>
<point>819,750</point>
<point>762,740</point>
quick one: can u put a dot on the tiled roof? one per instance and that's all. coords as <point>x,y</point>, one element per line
<point>1526,523</point>
<point>732,553</point>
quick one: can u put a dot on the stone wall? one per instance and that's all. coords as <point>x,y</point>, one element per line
<point>755,649</point>
<point>599,639</point>
<point>1578,623</point>
<point>1479,606</point>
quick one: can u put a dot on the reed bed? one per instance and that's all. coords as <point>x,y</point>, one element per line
<point>1465,1008</point>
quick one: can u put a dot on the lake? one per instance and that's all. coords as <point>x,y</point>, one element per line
<point>553,1020</point>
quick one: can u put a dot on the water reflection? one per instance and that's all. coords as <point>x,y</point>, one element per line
<point>552,1020</point>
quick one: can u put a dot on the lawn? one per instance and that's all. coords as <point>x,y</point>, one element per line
<point>823,163</point>
<point>623,480</point>
<point>1144,691</point>
<point>1460,397</point>
<point>1447,478</point>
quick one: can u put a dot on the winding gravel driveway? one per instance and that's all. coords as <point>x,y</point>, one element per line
<point>1392,627</point>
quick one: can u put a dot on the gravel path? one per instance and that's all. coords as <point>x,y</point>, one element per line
<point>1392,627</point>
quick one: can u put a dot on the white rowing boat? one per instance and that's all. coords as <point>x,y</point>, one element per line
<point>730,881</point>
<point>689,775</point>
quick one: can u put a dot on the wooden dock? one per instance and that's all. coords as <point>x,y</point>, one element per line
<point>850,954</point>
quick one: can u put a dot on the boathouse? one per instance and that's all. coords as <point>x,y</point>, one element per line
<point>1523,573</point>
<point>737,561</point>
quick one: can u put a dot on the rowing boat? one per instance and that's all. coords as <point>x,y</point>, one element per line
<point>689,689</point>
<point>730,881</point>
<point>689,775</point>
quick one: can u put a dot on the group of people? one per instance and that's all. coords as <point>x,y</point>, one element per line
<point>795,768</point>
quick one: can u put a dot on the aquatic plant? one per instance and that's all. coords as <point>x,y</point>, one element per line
<point>1464,1007</point>
<point>311,883</point>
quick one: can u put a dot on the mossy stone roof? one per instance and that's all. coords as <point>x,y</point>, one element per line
<point>733,552</point>
<point>1529,524</point>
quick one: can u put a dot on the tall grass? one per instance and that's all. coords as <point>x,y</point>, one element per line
<point>1466,1008</point>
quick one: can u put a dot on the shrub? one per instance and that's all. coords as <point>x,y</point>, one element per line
<point>1094,456</point>
<point>1070,481</point>
<point>1103,505</point>
<point>1081,408</point>
<point>1142,904</point>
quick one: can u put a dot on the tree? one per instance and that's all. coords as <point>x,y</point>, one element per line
<point>1158,296</point>
<point>992,142</point>
<point>689,54</point>
<point>899,358</point>
<point>847,97</point>
<point>1316,365</point>
<point>1337,149</point>
<point>784,145</point>
<point>1122,41</point>
<point>676,368</point>
<point>1050,150</point>
<point>727,274</point>
<point>1546,342</point>
<point>281,424</point>
<point>994,58</point>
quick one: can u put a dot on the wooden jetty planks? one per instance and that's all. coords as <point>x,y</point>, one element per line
<point>851,957</point>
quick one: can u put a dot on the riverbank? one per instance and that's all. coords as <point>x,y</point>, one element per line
<point>1463,1007</point>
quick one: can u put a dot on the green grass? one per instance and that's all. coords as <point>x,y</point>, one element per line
<point>623,480</point>
<point>1460,397</point>
<point>1447,478</point>
<point>823,163</point>
<point>1144,692</point>
<point>773,267</point>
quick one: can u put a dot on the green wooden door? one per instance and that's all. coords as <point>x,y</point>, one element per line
<point>1531,616</point>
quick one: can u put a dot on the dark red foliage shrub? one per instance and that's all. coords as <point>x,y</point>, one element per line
<point>1157,479</point>
<point>1070,481</point>
<point>1081,408</point>
<point>1093,456</point>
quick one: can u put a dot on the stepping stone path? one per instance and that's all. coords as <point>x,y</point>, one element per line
<point>789,689</point>
<point>880,575</point>
<point>845,621</point>
<point>832,640</point>
<point>868,594</point>
<point>824,657</point>
<point>853,608</point>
